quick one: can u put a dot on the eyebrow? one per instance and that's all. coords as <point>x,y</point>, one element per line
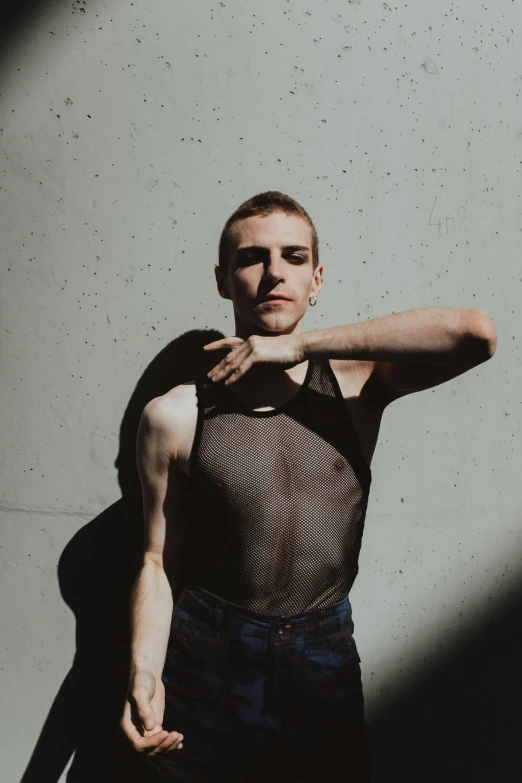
<point>286,247</point>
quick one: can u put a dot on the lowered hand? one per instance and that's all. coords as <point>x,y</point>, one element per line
<point>143,716</point>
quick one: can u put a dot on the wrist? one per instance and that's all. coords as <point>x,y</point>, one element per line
<point>304,346</point>
<point>141,665</point>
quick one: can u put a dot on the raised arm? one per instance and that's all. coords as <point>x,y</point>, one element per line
<point>152,595</point>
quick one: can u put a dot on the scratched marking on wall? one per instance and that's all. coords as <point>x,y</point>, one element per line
<point>449,225</point>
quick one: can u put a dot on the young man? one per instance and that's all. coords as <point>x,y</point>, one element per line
<point>254,673</point>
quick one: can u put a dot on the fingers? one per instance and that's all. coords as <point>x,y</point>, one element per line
<point>159,741</point>
<point>131,726</point>
<point>141,696</point>
<point>173,741</point>
<point>230,363</point>
<point>145,715</point>
<point>239,371</point>
<point>223,343</point>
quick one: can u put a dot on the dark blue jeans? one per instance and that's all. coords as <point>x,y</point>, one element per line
<point>260,697</point>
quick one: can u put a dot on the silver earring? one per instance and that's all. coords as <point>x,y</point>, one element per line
<point>313,304</point>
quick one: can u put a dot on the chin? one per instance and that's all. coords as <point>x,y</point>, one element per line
<point>277,325</point>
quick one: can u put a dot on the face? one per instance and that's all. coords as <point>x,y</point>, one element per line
<point>269,255</point>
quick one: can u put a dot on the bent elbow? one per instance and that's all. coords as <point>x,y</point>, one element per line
<point>481,326</point>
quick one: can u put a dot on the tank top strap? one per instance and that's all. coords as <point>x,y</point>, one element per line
<point>320,380</point>
<point>212,397</point>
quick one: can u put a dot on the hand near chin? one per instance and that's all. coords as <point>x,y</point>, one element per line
<point>281,351</point>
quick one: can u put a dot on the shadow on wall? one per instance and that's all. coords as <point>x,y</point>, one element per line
<point>96,572</point>
<point>16,17</point>
<point>461,723</point>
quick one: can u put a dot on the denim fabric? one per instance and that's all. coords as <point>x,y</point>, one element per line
<point>261,697</point>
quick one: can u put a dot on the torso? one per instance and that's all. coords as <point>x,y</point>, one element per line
<point>364,407</point>
<point>256,554</point>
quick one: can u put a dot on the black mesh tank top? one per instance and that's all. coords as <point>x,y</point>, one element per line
<point>278,497</point>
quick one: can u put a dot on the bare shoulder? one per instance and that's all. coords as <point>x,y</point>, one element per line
<point>171,408</point>
<point>174,416</point>
<point>173,404</point>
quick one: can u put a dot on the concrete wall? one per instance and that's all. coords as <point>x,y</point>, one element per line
<point>128,133</point>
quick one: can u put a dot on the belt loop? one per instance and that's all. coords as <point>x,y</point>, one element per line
<point>216,619</point>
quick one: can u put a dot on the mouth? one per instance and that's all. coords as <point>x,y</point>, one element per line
<point>273,299</point>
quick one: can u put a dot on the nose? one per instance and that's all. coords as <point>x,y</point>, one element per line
<point>274,267</point>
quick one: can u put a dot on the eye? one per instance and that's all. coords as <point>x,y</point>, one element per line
<point>247,258</point>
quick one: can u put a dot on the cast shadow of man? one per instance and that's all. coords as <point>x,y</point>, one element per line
<point>96,572</point>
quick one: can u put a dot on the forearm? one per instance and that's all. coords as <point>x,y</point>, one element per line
<point>427,334</point>
<point>151,615</point>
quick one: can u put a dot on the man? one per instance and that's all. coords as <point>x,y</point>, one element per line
<point>254,674</point>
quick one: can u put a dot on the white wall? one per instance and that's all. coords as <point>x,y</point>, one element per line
<point>128,133</point>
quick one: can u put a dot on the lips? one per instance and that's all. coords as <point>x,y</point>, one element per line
<point>276,298</point>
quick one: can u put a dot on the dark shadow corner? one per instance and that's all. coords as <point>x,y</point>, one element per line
<point>17,18</point>
<point>96,572</point>
<point>462,721</point>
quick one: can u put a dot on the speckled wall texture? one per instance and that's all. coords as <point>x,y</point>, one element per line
<point>128,133</point>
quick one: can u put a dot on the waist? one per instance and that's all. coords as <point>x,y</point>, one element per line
<point>215,612</point>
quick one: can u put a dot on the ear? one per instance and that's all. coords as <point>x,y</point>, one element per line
<point>316,280</point>
<point>221,282</point>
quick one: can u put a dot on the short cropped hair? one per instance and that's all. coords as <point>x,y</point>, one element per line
<point>265,204</point>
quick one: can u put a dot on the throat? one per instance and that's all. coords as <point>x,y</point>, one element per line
<point>263,388</point>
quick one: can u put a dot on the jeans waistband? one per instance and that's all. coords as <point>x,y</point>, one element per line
<point>216,612</point>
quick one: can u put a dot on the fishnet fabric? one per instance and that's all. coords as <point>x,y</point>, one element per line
<point>279,497</point>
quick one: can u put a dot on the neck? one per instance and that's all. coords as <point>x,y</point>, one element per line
<point>262,378</point>
<point>265,385</point>
<point>245,330</point>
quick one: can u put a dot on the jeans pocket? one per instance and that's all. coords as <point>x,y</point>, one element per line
<point>351,647</point>
<point>343,643</point>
